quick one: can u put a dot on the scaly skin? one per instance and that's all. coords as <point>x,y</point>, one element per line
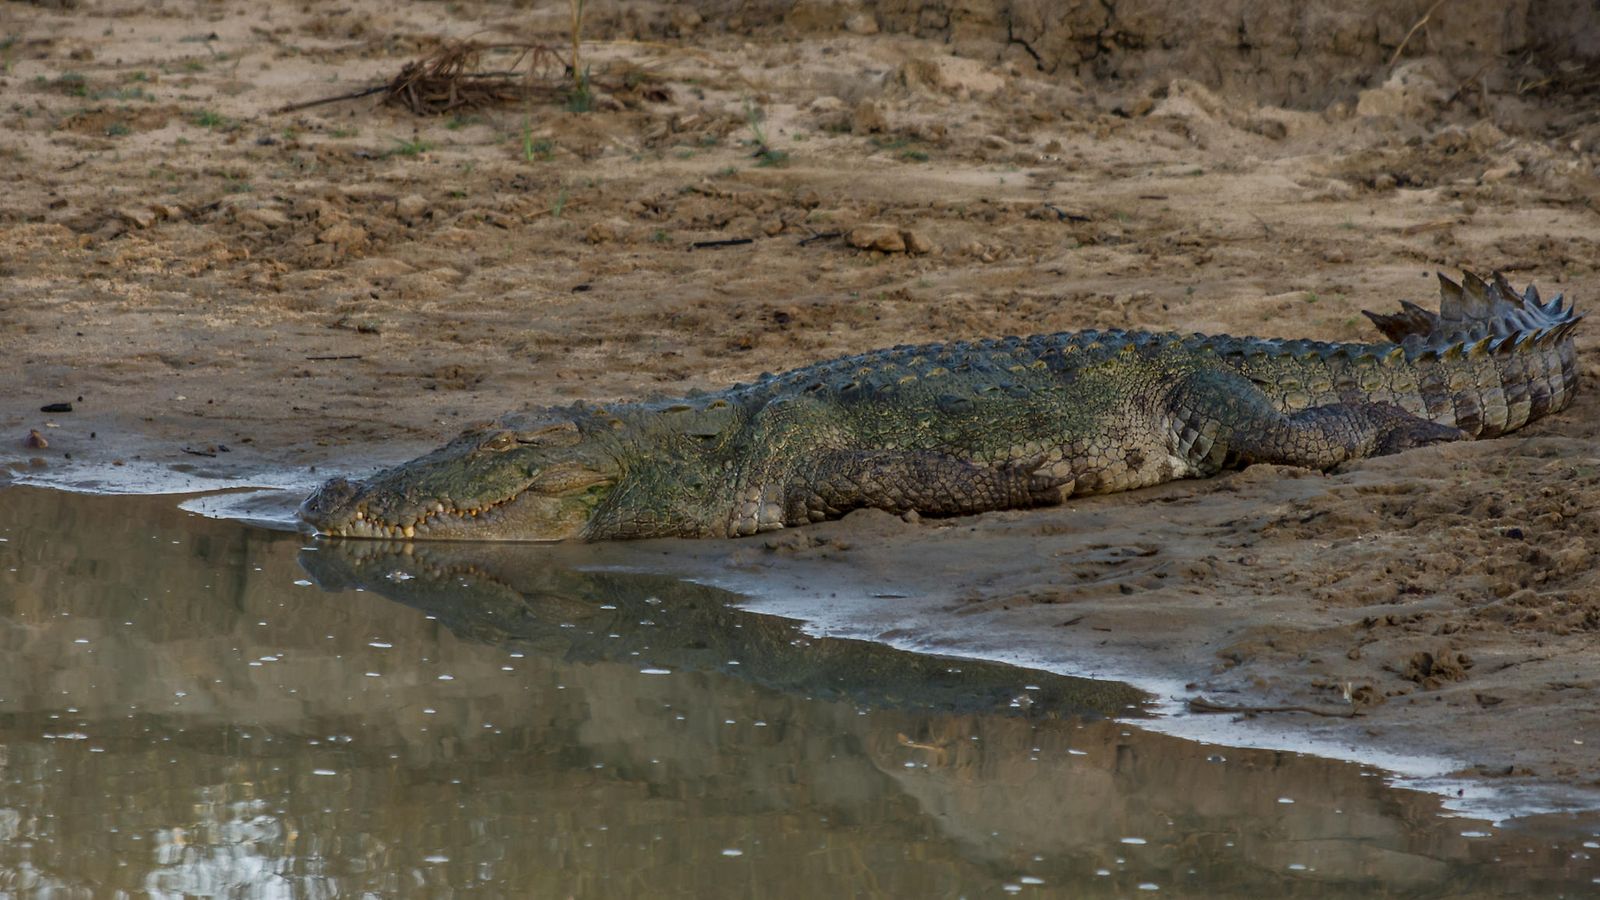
<point>952,429</point>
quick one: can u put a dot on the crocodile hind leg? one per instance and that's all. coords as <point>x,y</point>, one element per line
<point>899,481</point>
<point>1223,420</point>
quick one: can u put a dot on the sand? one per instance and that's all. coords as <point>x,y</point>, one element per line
<point>220,289</point>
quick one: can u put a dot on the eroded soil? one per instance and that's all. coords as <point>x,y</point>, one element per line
<point>218,287</point>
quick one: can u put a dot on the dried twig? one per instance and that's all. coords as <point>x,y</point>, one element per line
<point>353,95</point>
<point>1407,39</point>
<point>450,78</point>
<point>821,236</point>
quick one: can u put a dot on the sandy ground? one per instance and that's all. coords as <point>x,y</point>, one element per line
<point>221,289</point>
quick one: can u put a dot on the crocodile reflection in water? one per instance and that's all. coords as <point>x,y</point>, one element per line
<point>517,596</point>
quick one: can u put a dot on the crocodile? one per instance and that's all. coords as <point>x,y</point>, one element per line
<point>950,429</point>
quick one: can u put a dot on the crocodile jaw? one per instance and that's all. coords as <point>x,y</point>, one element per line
<point>512,480</point>
<point>344,509</point>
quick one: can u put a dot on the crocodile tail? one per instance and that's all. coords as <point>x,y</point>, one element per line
<point>1475,309</point>
<point>1490,360</point>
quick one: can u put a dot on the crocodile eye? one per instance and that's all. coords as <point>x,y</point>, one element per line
<point>501,441</point>
<point>554,434</point>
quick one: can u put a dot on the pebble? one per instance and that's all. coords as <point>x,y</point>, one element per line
<point>862,23</point>
<point>605,231</point>
<point>411,208</point>
<point>262,216</point>
<point>343,234</point>
<point>883,238</point>
<point>868,118</point>
<point>137,216</point>
<point>917,243</point>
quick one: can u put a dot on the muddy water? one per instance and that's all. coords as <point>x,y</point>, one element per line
<point>197,707</point>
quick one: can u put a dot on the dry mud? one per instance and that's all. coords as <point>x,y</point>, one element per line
<point>223,289</point>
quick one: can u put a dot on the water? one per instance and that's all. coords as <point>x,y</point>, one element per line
<point>195,707</point>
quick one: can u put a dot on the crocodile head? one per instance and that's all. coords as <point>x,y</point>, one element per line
<point>521,478</point>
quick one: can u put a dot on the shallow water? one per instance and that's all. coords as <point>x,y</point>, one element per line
<point>191,706</point>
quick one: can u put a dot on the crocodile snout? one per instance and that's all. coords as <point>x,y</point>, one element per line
<point>336,494</point>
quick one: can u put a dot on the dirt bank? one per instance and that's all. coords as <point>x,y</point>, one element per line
<point>219,288</point>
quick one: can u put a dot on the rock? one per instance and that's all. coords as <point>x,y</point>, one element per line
<point>380,267</point>
<point>995,142</point>
<point>1485,134</point>
<point>861,23</point>
<point>685,21</point>
<point>35,440</point>
<point>1271,129</point>
<point>262,217</point>
<point>916,242</point>
<point>827,103</point>
<point>605,231</point>
<point>137,216</point>
<point>1432,671</point>
<point>1414,90</point>
<point>343,235</point>
<point>883,238</point>
<point>952,75</point>
<point>1505,168</point>
<point>1185,99</point>
<point>411,208</point>
<point>868,118</point>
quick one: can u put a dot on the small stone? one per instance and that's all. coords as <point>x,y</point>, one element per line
<point>344,234</point>
<point>862,23</point>
<point>137,216</point>
<point>1485,134</point>
<point>995,142</point>
<point>605,231</point>
<point>916,242</point>
<point>1501,172</point>
<point>827,103</point>
<point>773,227</point>
<point>868,118</point>
<point>411,208</point>
<point>263,217</point>
<point>883,238</point>
<point>685,21</point>
<point>35,440</point>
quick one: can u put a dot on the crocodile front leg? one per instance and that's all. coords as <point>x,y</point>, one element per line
<point>1222,420</point>
<point>901,481</point>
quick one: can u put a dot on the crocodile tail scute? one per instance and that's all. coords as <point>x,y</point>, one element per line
<point>1476,312</point>
<point>1490,360</point>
